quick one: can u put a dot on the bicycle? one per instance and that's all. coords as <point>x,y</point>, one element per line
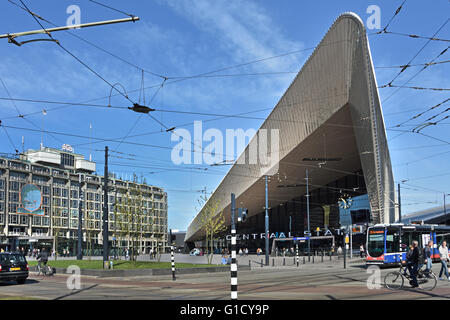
<point>395,280</point>
<point>46,270</point>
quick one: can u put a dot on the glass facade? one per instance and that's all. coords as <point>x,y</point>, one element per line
<point>357,213</point>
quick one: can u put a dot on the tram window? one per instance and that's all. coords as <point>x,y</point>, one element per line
<point>375,245</point>
<point>392,241</point>
<point>406,240</point>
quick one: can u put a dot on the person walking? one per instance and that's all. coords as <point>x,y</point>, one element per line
<point>443,254</point>
<point>361,251</point>
<point>428,256</point>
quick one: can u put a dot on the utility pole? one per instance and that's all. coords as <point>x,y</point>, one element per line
<point>105,213</point>
<point>399,205</point>
<point>80,219</point>
<point>267,224</point>
<point>307,213</point>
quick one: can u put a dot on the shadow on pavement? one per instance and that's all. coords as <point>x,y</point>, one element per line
<point>75,292</point>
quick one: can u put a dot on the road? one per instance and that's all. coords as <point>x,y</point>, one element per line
<point>320,281</point>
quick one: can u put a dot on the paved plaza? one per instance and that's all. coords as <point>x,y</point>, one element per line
<point>324,281</point>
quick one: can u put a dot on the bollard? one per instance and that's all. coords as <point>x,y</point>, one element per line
<point>304,260</point>
<point>262,263</point>
<point>313,259</point>
<point>322,257</point>
<point>330,256</point>
<point>273,262</point>
<point>284,261</point>
<point>172,259</point>
<point>250,263</point>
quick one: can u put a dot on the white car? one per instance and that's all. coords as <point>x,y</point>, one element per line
<point>194,252</point>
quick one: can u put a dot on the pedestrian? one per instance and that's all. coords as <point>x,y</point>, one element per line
<point>428,256</point>
<point>246,251</point>
<point>151,253</point>
<point>240,252</point>
<point>339,250</point>
<point>443,254</point>
<point>361,251</point>
<point>64,252</point>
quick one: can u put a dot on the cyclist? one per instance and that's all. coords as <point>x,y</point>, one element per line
<point>414,264</point>
<point>42,258</point>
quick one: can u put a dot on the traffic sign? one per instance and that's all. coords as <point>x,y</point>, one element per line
<point>347,240</point>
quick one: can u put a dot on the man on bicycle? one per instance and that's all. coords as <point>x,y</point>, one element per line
<point>42,258</point>
<point>413,266</point>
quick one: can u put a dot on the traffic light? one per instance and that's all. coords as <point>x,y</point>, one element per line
<point>244,214</point>
<point>172,237</point>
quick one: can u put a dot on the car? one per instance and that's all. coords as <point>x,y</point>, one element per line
<point>194,252</point>
<point>13,267</point>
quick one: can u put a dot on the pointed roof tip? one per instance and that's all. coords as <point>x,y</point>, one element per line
<point>353,16</point>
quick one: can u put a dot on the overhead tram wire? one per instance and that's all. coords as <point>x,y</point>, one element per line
<point>140,116</point>
<point>411,60</point>
<point>392,18</point>
<point>20,115</point>
<point>415,36</point>
<point>74,56</point>
<point>111,8</point>
<point>422,113</point>
<point>93,44</point>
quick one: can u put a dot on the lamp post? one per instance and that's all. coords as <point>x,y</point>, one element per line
<point>266,220</point>
<point>307,213</point>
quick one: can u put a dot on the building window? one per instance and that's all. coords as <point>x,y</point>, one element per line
<point>14,218</point>
<point>67,159</point>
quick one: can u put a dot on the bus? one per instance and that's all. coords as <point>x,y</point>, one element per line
<point>387,244</point>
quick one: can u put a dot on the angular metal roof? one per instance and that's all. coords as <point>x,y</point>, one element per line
<point>333,105</point>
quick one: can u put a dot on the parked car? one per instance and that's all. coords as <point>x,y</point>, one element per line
<point>195,252</point>
<point>13,266</point>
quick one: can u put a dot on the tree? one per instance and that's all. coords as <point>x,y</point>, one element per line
<point>212,222</point>
<point>56,228</point>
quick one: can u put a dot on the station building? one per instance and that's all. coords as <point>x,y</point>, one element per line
<point>332,140</point>
<point>39,205</point>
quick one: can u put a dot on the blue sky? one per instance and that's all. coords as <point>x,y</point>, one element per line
<point>183,38</point>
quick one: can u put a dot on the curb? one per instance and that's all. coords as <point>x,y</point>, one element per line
<point>145,272</point>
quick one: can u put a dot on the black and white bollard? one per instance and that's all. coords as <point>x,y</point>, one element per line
<point>172,259</point>
<point>296,253</point>
<point>233,266</point>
